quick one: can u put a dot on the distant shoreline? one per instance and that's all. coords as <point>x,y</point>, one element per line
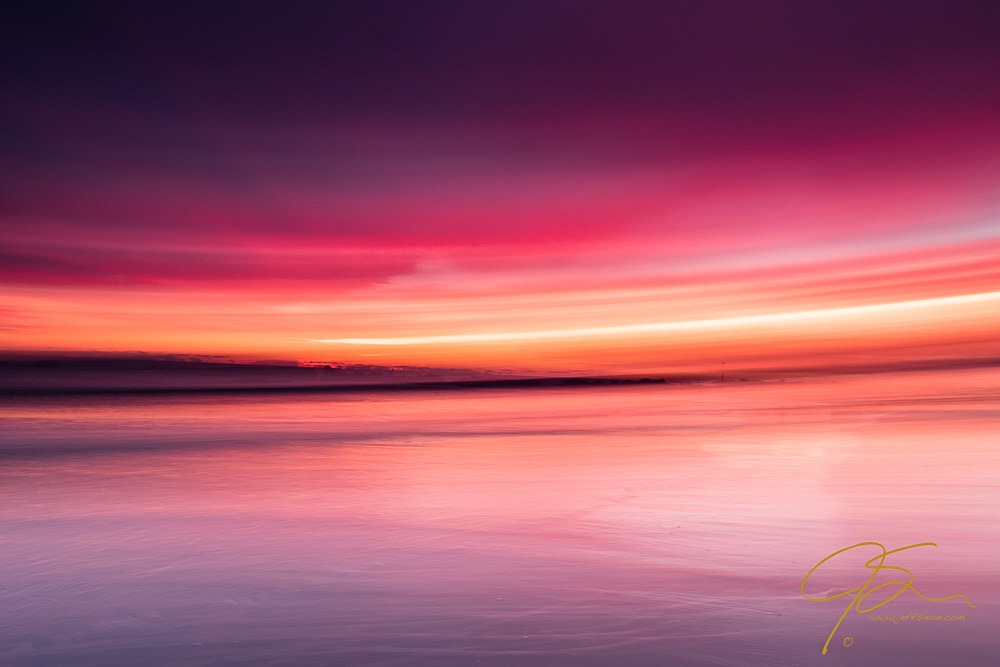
<point>522,383</point>
<point>132,376</point>
<point>38,375</point>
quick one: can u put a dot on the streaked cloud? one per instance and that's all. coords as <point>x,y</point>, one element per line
<point>501,180</point>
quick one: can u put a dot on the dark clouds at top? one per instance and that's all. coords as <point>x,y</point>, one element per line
<point>199,123</point>
<point>412,61</point>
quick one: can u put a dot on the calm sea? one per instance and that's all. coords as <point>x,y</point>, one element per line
<point>620,525</point>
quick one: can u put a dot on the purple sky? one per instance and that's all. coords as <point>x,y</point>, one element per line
<point>518,157</point>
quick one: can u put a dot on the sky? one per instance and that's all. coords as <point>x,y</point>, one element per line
<point>545,185</point>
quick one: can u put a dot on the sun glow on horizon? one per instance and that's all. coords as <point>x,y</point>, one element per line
<point>654,327</point>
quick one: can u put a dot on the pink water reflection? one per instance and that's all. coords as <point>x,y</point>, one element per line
<point>642,525</point>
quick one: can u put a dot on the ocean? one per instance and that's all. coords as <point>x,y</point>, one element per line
<point>660,524</point>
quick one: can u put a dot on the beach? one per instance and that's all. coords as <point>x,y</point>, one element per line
<point>649,524</point>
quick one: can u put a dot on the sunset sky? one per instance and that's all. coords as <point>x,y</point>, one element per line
<point>598,187</point>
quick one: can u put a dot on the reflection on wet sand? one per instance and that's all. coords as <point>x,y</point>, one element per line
<point>593,525</point>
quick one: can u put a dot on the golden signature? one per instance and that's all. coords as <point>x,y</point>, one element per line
<point>862,592</point>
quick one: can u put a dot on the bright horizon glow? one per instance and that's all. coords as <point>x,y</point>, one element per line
<point>769,318</point>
